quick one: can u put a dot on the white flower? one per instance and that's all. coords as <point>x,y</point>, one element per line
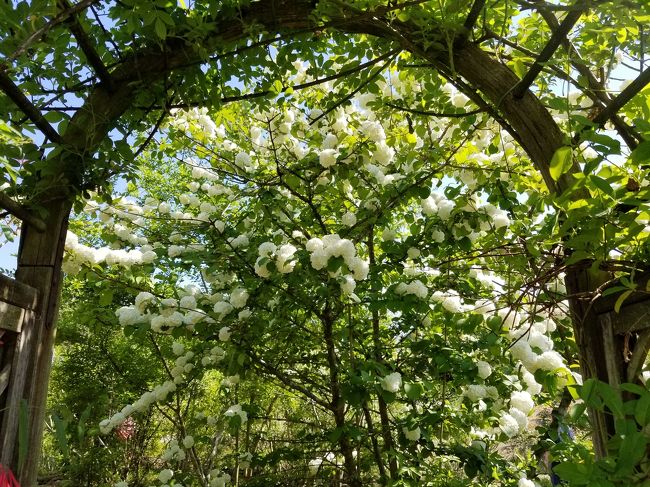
<point>392,382</point>
<point>243,159</point>
<point>412,435</point>
<point>524,482</point>
<point>266,249</point>
<point>188,441</point>
<point>550,360</point>
<point>327,157</point>
<point>508,425</point>
<point>413,253</point>
<point>348,284</point>
<point>188,302</point>
<point>349,219</point>
<point>224,334</point>
<point>165,475</point>
<point>474,392</point>
<point>284,263</point>
<point>238,297</point>
<point>484,369</point>
<point>236,409</point>
<point>178,348</point>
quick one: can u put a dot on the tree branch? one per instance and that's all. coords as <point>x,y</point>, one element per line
<point>59,19</point>
<point>551,46</point>
<point>87,47</point>
<point>21,212</point>
<point>26,106</point>
<point>434,114</point>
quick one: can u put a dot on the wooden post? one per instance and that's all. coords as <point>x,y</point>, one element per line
<point>39,265</point>
<point>17,304</point>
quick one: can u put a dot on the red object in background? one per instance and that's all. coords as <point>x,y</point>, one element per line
<point>7,478</point>
<point>124,431</point>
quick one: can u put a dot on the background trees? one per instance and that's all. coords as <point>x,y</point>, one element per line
<point>472,176</point>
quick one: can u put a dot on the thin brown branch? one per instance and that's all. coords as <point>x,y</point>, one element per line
<point>596,89</point>
<point>623,97</point>
<point>473,15</point>
<point>58,19</point>
<point>151,134</point>
<point>27,107</point>
<point>86,46</point>
<point>434,114</point>
<point>551,46</point>
<point>391,55</point>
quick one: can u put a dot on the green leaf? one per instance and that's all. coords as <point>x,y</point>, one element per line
<point>611,398</point>
<point>575,474</point>
<point>631,451</point>
<point>60,427</point>
<point>642,409</point>
<point>601,184</point>
<point>161,29</point>
<point>561,162</point>
<point>641,153</point>
<point>621,299</point>
<point>106,298</point>
<point>413,390</point>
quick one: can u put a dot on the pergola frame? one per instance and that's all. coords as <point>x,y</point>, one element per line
<point>488,82</point>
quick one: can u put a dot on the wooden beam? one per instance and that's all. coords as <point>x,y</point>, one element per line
<point>17,293</point>
<point>11,317</point>
<point>19,211</point>
<point>639,355</point>
<point>551,46</point>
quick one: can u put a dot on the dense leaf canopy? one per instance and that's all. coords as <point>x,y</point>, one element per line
<point>337,233</point>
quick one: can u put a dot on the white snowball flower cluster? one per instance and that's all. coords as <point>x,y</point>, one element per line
<point>499,217</point>
<point>349,219</point>
<point>449,300</point>
<point>392,382</point>
<point>173,452</point>
<point>373,130</point>
<point>321,249</point>
<point>165,475</point>
<point>214,355</point>
<point>521,403</point>
<point>484,369</point>
<point>328,157</point>
<point>534,349</point>
<point>236,410</point>
<point>437,204</point>
<point>80,254</point>
<point>219,479</point>
<point>183,365</point>
<point>159,393</point>
<point>417,288</point>
<point>128,315</point>
<point>412,435</point>
<point>524,482</point>
<point>476,392</point>
<point>284,261</point>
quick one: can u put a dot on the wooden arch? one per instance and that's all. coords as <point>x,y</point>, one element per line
<point>477,73</point>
